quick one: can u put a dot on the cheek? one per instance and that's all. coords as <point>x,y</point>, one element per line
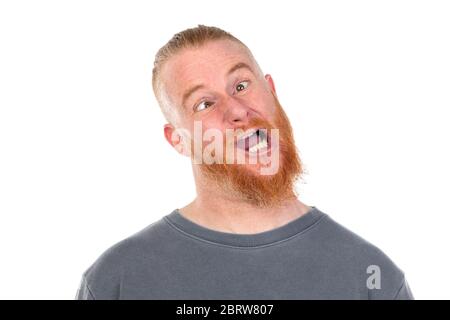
<point>263,102</point>
<point>267,110</point>
<point>207,131</point>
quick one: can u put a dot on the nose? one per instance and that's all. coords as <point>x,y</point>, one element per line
<point>237,113</point>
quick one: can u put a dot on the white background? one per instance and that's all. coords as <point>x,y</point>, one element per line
<point>83,161</point>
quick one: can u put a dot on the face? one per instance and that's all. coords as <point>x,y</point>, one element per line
<point>222,97</point>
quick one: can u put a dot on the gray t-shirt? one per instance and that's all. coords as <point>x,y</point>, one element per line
<point>311,257</point>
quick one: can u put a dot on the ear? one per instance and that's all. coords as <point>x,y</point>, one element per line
<point>175,139</point>
<point>271,84</point>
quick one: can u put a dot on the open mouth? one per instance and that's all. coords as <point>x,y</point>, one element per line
<point>254,141</point>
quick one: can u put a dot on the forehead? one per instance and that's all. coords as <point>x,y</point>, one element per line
<point>205,64</point>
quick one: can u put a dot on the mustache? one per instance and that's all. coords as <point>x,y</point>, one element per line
<point>255,123</point>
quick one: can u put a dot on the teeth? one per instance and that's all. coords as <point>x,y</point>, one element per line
<point>261,138</point>
<point>262,144</point>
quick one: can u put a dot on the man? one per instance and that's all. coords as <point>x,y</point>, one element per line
<point>246,235</point>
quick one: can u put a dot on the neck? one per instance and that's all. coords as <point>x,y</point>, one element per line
<point>215,209</point>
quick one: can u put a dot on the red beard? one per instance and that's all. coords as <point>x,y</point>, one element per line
<point>244,184</point>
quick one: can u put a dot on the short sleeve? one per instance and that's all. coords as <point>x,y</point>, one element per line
<point>83,292</point>
<point>404,292</point>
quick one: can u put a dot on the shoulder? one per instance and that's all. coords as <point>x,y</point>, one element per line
<point>363,258</point>
<point>103,278</point>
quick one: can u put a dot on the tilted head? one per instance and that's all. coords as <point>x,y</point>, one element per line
<point>206,75</point>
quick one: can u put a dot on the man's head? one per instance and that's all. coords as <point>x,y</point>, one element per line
<point>206,76</point>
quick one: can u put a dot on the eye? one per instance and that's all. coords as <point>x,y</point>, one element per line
<point>242,86</point>
<point>203,105</point>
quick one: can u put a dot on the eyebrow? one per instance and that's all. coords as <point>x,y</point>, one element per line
<point>237,66</point>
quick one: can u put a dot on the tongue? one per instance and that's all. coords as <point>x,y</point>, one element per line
<point>251,141</point>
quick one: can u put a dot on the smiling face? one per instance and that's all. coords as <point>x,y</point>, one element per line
<point>220,86</point>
